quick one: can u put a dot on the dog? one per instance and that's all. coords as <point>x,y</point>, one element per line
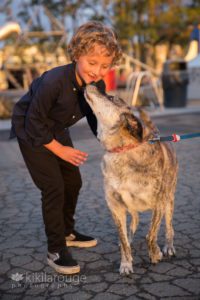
<point>138,176</point>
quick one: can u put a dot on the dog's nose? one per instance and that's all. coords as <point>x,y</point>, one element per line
<point>93,83</point>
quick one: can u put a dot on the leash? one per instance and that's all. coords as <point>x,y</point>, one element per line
<point>173,138</point>
<point>170,138</point>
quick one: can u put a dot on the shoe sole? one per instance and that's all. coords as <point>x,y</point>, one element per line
<point>86,244</point>
<point>63,269</point>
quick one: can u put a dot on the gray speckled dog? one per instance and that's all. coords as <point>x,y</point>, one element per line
<point>138,176</point>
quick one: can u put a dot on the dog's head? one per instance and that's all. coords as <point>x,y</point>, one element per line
<point>112,112</point>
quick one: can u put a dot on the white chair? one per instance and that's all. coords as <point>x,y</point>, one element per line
<point>152,89</point>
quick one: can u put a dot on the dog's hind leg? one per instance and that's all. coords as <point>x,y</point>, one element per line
<point>118,211</point>
<point>169,249</point>
<point>133,225</point>
<point>155,253</point>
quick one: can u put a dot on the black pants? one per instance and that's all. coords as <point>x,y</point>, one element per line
<point>59,182</point>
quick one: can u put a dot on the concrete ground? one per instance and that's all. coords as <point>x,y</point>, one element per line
<point>23,269</point>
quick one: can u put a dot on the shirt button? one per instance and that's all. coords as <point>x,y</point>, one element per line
<point>73,117</point>
<point>74,89</point>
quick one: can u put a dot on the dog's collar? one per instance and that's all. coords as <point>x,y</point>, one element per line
<point>124,148</point>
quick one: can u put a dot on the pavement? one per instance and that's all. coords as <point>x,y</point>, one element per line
<point>24,273</point>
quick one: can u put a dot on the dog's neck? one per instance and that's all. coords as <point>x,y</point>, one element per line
<point>124,148</point>
<point>117,140</point>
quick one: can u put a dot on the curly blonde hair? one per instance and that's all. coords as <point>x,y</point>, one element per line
<point>94,32</point>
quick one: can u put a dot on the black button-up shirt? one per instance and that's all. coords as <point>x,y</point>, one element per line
<point>55,101</point>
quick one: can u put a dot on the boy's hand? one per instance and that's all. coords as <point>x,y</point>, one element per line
<point>67,153</point>
<point>73,156</point>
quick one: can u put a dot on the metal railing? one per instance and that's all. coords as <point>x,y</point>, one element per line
<point>152,87</point>
<point>135,82</point>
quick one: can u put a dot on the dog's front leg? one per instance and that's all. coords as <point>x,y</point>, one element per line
<point>118,211</point>
<point>126,257</point>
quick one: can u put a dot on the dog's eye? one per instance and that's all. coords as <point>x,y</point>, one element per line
<point>110,98</point>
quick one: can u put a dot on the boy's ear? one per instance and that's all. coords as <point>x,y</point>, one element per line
<point>133,125</point>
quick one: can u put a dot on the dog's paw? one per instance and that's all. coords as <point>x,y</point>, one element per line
<point>126,268</point>
<point>156,257</point>
<point>169,250</point>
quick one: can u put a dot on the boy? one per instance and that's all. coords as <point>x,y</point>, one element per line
<point>54,102</point>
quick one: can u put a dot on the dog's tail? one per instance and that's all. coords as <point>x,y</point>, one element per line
<point>147,121</point>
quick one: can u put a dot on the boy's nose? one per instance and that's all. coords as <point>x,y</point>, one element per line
<point>97,71</point>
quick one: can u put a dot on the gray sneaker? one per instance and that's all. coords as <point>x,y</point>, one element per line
<point>62,262</point>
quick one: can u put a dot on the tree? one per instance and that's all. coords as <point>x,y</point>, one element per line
<point>142,23</point>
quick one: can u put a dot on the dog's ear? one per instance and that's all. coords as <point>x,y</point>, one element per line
<point>133,125</point>
<point>147,121</point>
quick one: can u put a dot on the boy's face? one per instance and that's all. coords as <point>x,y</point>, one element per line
<point>94,65</point>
